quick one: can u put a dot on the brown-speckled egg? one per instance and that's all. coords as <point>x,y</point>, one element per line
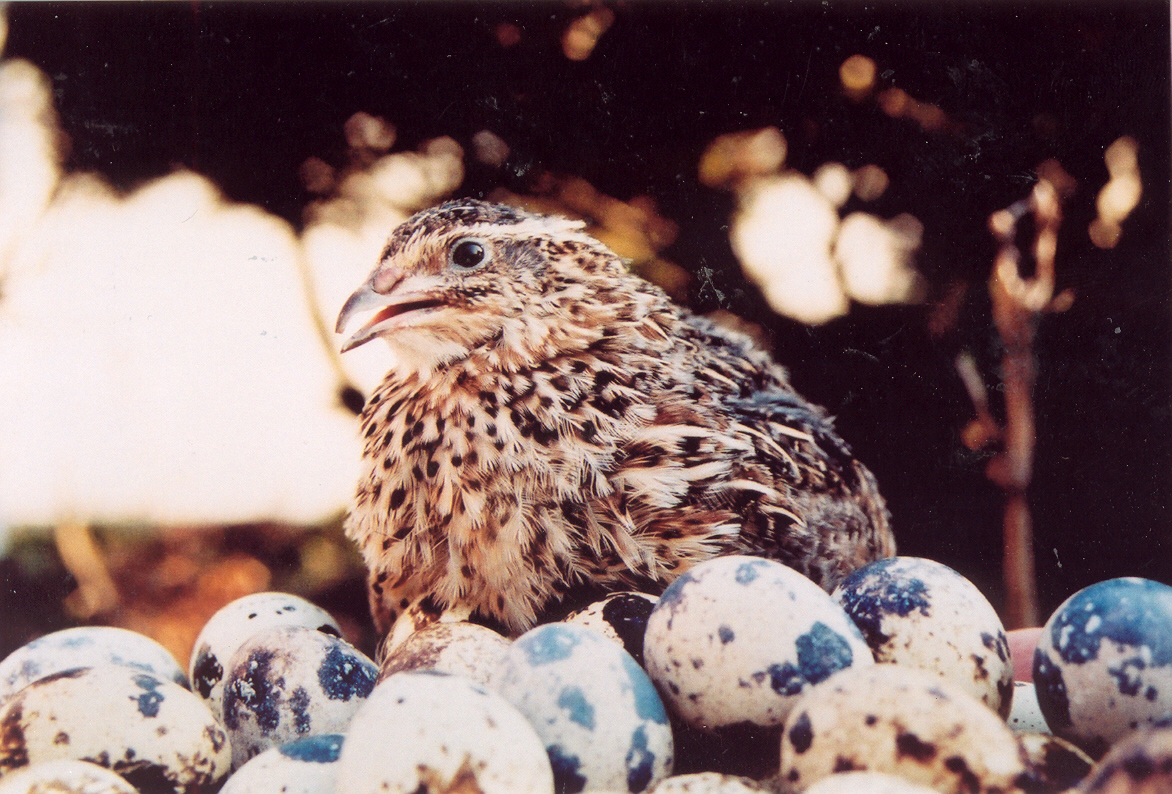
<point>867,783</point>
<point>1141,763</point>
<point>466,649</point>
<point>289,682</point>
<point>66,776</point>
<point>736,640</point>
<point>151,731</point>
<point>1055,764</point>
<point>707,783</point>
<point>433,732</point>
<point>919,613</point>
<point>904,722</point>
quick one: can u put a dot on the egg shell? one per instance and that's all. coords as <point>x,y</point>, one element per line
<point>903,722</point>
<point>1026,715</point>
<point>920,613</point>
<point>1054,764</point>
<point>288,682</point>
<point>153,732</point>
<point>1103,665</point>
<point>304,766</point>
<point>427,731</point>
<point>621,617</point>
<point>1141,763</point>
<point>232,626</point>
<point>86,646</point>
<point>706,783</point>
<point>867,783</point>
<point>595,709</point>
<point>737,639</point>
<point>66,776</point>
<point>466,649</point>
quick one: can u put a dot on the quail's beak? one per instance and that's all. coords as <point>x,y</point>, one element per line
<point>387,306</point>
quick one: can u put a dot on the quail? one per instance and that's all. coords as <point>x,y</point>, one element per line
<point>551,421</point>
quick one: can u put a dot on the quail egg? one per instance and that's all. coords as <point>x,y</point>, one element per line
<point>151,731</point>
<point>620,616</point>
<point>595,709</point>
<point>66,776</point>
<point>735,640</point>
<point>867,783</point>
<point>465,649</point>
<point>904,722</point>
<point>86,646</point>
<point>1103,665</point>
<point>1026,715</point>
<point>920,613</point>
<point>1140,763</point>
<point>303,766</point>
<point>234,623</point>
<point>427,731</point>
<point>288,682</point>
<point>706,783</point>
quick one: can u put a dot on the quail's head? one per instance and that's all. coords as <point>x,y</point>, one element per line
<point>470,276</point>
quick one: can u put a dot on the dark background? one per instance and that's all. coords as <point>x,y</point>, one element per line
<point>245,93</point>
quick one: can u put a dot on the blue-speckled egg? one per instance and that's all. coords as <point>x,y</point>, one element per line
<point>303,766</point>
<point>595,709</point>
<point>289,682</point>
<point>620,616</point>
<point>737,639</point>
<point>234,623</point>
<point>151,731</point>
<point>1103,665</point>
<point>920,613</point>
<point>86,646</point>
<point>433,732</point>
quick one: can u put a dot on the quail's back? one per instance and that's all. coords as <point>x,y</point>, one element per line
<point>550,420</point>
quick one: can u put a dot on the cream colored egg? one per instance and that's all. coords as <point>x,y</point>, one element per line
<point>903,722</point>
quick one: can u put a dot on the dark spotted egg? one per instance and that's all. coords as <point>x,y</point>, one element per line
<point>1140,763</point>
<point>1103,665</point>
<point>620,616</point>
<point>237,621</point>
<point>735,640</point>
<point>594,708</point>
<point>289,682</point>
<point>920,613</point>
<point>303,766</point>
<point>904,722</point>
<point>434,732</point>
<point>86,646</point>
<point>151,731</point>
<point>66,776</point>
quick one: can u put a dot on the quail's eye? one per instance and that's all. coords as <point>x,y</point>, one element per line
<point>469,254</point>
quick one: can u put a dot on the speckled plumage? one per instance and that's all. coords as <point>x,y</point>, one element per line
<point>550,420</point>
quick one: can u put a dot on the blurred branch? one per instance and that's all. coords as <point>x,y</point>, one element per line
<point>96,593</point>
<point>1018,304</point>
